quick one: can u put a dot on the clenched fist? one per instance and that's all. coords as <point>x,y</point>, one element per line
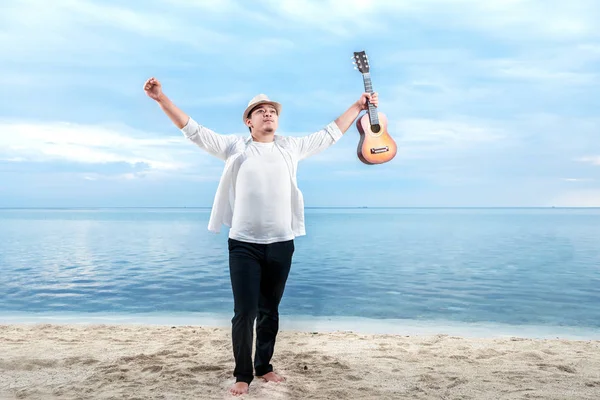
<point>153,88</point>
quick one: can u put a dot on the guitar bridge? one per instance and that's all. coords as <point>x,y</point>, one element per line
<point>377,150</point>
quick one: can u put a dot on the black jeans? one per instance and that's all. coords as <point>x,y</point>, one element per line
<point>258,276</point>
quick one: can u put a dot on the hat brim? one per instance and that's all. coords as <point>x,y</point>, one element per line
<point>258,103</point>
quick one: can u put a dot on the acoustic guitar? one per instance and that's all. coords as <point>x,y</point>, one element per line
<point>376,146</point>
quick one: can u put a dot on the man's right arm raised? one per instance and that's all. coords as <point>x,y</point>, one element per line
<point>205,138</point>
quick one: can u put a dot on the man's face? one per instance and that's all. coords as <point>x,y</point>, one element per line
<point>263,118</point>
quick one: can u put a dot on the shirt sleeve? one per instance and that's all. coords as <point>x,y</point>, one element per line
<point>216,144</point>
<point>314,143</point>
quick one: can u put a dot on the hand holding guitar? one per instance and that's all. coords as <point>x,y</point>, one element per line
<point>367,98</point>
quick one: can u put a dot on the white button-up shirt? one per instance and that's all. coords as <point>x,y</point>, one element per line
<point>229,147</point>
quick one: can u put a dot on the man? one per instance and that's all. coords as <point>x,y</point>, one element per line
<point>259,199</point>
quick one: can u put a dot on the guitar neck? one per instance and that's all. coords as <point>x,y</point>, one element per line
<point>373,117</point>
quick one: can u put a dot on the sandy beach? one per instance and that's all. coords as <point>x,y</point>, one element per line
<point>39,361</point>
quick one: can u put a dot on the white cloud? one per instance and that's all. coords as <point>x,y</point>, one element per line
<point>577,198</point>
<point>204,174</point>
<point>425,140</point>
<point>540,74</point>
<point>455,73</point>
<point>555,65</point>
<point>339,17</point>
<point>88,144</point>
<point>521,20</point>
<point>156,35</point>
<point>83,32</point>
<point>593,160</point>
<point>578,180</point>
<point>145,23</point>
<point>219,6</point>
<point>119,177</point>
<point>219,100</point>
<point>438,138</point>
<point>531,18</point>
<point>142,21</point>
<point>445,132</point>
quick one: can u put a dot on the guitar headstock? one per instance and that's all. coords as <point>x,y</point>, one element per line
<point>361,61</point>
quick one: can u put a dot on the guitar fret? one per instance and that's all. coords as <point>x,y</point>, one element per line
<point>367,81</point>
<point>372,110</point>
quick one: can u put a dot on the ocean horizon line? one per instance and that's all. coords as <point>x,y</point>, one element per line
<point>307,207</point>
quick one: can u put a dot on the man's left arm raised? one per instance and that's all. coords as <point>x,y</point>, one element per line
<point>316,142</point>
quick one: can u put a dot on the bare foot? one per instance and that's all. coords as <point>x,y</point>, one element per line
<point>239,389</point>
<point>272,377</point>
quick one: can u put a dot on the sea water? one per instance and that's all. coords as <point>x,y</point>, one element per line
<point>469,271</point>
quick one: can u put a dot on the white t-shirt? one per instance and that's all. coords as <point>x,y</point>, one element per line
<point>262,209</point>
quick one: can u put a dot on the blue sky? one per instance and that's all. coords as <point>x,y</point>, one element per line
<point>491,103</point>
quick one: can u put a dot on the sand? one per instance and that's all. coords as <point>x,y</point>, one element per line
<point>77,361</point>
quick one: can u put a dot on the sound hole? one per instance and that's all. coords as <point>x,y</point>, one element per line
<point>375,128</point>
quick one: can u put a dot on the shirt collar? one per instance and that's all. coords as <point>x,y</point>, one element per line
<point>249,139</point>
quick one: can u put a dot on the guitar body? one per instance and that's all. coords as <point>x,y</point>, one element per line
<point>376,146</point>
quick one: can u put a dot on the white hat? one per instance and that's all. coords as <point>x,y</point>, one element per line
<point>258,100</point>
